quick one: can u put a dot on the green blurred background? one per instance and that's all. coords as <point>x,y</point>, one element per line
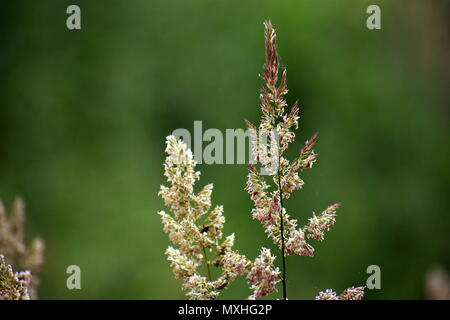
<point>84,115</point>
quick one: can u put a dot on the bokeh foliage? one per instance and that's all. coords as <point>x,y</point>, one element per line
<point>84,114</point>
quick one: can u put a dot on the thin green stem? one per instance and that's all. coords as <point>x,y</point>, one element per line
<point>207,263</point>
<point>283,279</point>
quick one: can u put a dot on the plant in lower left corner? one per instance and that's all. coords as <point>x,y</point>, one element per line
<point>16,255</point>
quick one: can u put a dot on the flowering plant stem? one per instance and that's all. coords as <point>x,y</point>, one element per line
<point>207,263</point>
<point>270,139</point>
<point>283,278</point>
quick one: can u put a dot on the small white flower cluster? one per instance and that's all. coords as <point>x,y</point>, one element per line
<point>318,224</point>
<point>351,293</point>
<point>13,285</point>
<point>194,239</point>
<point>263,276</point>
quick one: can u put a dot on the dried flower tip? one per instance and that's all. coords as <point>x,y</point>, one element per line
<point>271,65</point>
